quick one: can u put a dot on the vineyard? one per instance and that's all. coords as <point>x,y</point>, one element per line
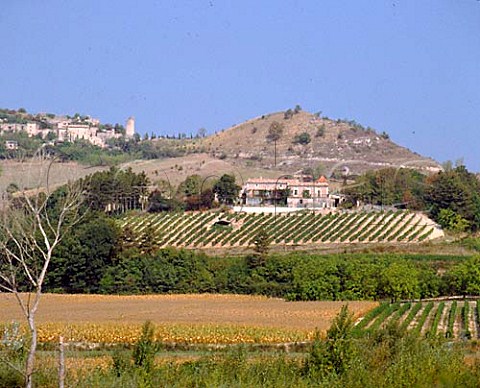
<point>448,319</point>
<point>209,229</point>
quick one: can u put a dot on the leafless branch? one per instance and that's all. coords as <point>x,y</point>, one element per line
<point>28,237</point>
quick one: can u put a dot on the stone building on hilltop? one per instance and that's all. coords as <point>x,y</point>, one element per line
<point>130,128</point>
<point>68,129</point>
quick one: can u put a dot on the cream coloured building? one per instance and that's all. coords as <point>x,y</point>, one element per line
<point>295,192</point>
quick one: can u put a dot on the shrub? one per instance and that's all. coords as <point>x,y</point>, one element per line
<point>275,131</point>
<point>145,348</point>
<point>320,131</point>
<point>288,114</point>
<point>13,342</point>
<point>336,352</point>
<point>303,138</point>
<point>121,362</point>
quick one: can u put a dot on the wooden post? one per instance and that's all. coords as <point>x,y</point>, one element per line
<point>61,364</point>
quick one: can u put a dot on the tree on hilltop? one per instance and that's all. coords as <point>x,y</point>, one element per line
<point>275,131</point>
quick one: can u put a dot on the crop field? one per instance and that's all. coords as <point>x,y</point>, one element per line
<point>209,229</point>
<point>454,319</point>
<point>187,319</point>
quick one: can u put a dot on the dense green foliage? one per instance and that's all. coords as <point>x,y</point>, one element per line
<point>458,191</point>
<point>389,186</point>
<point>193,194</point>
<point>116,190</point>
<point>226,189</point>
<point>80,261</point>
<point>451,197</point>
<point>121,150</point>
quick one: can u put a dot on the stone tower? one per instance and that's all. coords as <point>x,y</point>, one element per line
<point>130,127</point>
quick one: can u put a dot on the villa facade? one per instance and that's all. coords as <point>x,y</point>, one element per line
<point>295,192</point>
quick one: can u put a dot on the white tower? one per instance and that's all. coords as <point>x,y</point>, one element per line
<point>130,127</point>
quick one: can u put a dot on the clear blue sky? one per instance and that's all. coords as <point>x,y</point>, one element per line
<point>407,67</point>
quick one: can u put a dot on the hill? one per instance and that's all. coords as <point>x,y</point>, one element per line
<point>307,141</point>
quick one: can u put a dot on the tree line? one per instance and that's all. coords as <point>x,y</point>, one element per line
<point>451,197</point>
<point>116,191</point>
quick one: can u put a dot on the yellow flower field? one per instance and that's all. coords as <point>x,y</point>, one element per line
<point>110,333</point>
<point>181,319</point>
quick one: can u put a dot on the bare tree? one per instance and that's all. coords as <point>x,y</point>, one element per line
<point>33,224</point>
<point>275,132</point>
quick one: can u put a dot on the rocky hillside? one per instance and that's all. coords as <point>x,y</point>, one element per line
<point>306,140</point>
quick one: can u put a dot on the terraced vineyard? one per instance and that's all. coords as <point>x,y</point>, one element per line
<point>450,319</point>
<point>209,229</point>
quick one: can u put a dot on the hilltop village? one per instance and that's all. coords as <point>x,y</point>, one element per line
<point>59,129</point>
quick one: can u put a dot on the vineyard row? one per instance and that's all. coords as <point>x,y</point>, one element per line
<point>449,319</point>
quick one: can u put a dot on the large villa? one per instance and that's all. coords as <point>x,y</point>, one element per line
<point>293,192</point>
